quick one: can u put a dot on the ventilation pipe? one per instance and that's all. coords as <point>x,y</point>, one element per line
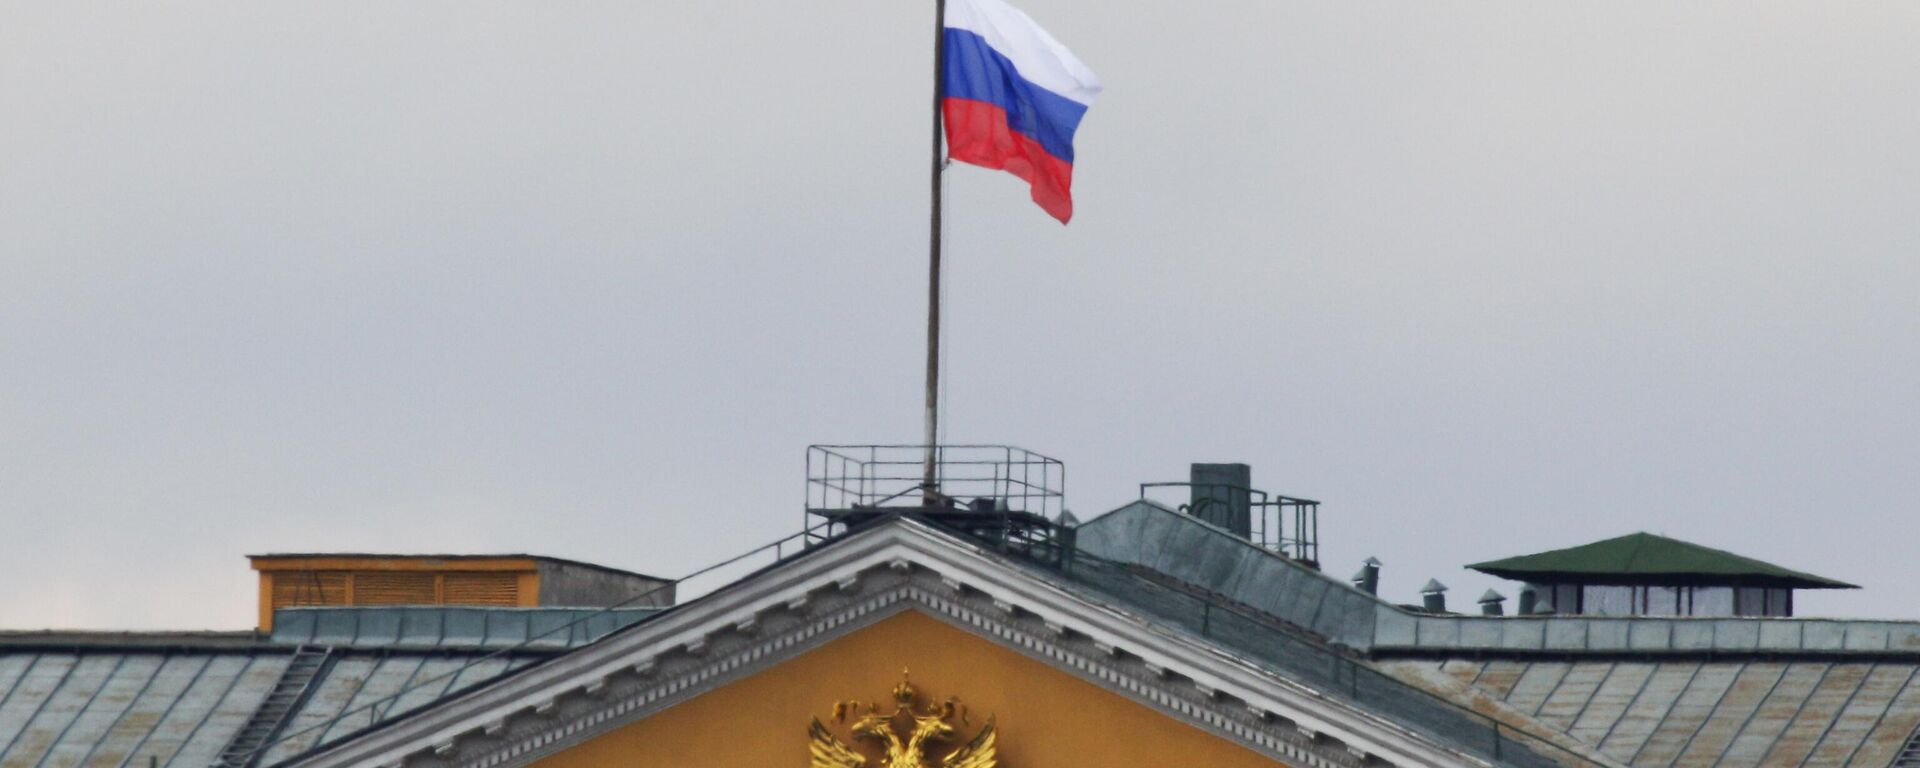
<point>1368,578</point>
<point>1529,600</point>
<point>1220,496</point>
<point>1433,596</point>
<point>1490,604</point>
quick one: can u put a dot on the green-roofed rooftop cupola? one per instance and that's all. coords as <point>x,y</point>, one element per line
<point>1644,574</point>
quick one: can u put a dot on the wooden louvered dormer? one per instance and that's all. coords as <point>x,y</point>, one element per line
<point>496,581</point>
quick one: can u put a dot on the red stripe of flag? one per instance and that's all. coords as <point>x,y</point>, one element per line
<point>977,133</point>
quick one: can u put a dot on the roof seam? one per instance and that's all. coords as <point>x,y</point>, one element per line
<point>1692,675</point>
<point>1797,709</point>
<point>1654,669</point>
<point>1867,735</point>
<point>131,700</point>
<point>78,713</point>
<point>167,712</point>
<point>1842,709</point>
<point>17,684</point>
<point>1785,669</point>
<point>27,722</point>
<point>1718,702</point>
<point>238,675</point>
<point>1557,682</point>
<point>1612,668</point>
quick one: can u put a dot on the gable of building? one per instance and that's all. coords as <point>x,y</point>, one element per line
<point>775,618</point>
<point>1042,716</point>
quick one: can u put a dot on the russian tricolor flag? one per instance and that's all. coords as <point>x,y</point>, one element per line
<point>1013,97</point>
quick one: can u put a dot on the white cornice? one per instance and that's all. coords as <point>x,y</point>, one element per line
<point>811,600</point>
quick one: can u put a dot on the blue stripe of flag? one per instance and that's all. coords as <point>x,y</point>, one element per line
<point>974,70</point>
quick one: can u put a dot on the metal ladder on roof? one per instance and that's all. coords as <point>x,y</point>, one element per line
<point>1909,756</point>
<point>296,681</point>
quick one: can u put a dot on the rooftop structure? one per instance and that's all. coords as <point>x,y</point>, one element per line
<point>1010,495</point>
<point>1223,495</point>
<point>1626,690</point>
<point>500,581</point>
<point>1191,617</point>
<point>1645,574</point>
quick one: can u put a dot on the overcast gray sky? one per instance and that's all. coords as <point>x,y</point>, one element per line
<point>585,278</point>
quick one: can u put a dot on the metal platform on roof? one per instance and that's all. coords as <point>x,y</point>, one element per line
<point>1009,497</point>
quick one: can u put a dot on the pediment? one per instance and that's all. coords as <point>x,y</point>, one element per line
<point>1041,715</point>
<point>810,602</point>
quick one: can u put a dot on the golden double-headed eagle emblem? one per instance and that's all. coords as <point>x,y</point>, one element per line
<point>924,729</point>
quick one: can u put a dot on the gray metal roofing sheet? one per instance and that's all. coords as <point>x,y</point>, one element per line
<point>1791,696</point>
<point>1571,696</point>
<point>1536,684</point>
<point>231,711</point>
<point>331,696</point>
<point>102,707</point>
<point>1499,676</point>
<point>1860,714</point>
<point>363,690</point>
<point>1707,713</point>
<point>1898,723</point>
<point>1651,705</point>
<point>1817,714</point>
<point>388,678</point>
<point>1609,702</point>
<point>451,627</point>
<point>147,710</point>
<point>1696,702</point>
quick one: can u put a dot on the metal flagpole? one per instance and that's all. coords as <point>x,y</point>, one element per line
<point>930,476</point>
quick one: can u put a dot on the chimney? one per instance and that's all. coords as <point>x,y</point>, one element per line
<point>1433,596</point>
<point>1219,496</point>
<point>1368,578</point>
<point>1490,603</point>
<point>1529,600</point>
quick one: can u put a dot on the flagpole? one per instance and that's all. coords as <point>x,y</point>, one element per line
<point>930,474</point>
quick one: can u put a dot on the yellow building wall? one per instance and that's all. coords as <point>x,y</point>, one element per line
<point>1046,718</point>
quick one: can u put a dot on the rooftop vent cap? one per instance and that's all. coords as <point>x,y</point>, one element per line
<point>1367,579</point>
<point>1490,603</point>
<point>1433,596</point>
<point>1529,600</point>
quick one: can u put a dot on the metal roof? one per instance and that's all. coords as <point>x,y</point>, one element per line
<point>363,689</point>
<point>1644,558</point>
<point>1188,549</point>
<point>1306,658</point>
<point>111,699</point>
<point>106,707</point>
<point>56,639</point>
<point>115,708</point>
<point>450,627</point>
<point>1729,713</point>
<point>1635,690</point>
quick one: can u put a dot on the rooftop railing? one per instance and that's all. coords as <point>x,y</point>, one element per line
<point>1282,524</point>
